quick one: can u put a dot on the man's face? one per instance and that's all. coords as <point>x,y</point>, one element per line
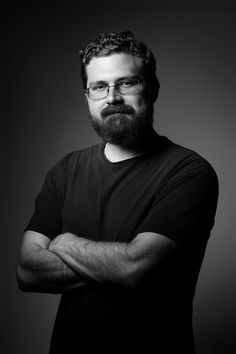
<point>119,119</point>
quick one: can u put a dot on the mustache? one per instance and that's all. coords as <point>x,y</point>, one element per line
<point>112,109</point>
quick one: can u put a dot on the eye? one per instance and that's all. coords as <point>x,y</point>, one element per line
<point>128,83</point>
<point>100,86</point>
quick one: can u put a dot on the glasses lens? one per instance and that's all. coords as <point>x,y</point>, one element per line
<point>129,86</point>
<point>98,91</point>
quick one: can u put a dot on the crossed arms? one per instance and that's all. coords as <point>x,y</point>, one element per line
<point>69,261</point>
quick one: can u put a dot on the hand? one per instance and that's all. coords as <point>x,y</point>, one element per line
<point>60,243</point>
<point>64,246</point>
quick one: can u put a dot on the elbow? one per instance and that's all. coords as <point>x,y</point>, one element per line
<point>23,279</point>
<point>22,285</point>
<point>130,277</point>
<point>129,282</point>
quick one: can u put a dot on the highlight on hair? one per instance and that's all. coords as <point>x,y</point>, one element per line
<point>123,42</point>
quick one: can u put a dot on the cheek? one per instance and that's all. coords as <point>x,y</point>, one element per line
<point>93,108</point>
<point>139,104</point>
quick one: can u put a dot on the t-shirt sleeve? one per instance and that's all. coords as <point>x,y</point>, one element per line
<point>46,218</point>
<point>184,207</point>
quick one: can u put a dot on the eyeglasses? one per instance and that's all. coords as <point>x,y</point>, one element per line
<point>100,90</point>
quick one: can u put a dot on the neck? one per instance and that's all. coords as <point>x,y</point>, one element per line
<point>116,153</point>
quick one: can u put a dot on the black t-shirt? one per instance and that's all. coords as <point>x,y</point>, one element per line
<point>169,190</point>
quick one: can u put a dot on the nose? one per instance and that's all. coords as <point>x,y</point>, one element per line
<point>114,96</point>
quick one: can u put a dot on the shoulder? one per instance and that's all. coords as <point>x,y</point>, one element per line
<point>74,157</point>
<point>178,157</point>
<point>175,165</point>
<point>73,161</point>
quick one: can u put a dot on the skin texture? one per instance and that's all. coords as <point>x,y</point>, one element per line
<point>113,262</point>
<point>40,270</point>
<point>112,69</point>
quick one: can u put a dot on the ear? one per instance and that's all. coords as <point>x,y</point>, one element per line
<point>85,99</point>
<point>155,85</point>
<point>152,94</point>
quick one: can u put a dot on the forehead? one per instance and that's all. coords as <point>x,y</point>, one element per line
<point>113,67</point>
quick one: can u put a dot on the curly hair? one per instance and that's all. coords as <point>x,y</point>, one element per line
<point>123,42</point>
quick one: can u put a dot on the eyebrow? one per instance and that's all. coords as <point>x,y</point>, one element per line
<point>118,80</point>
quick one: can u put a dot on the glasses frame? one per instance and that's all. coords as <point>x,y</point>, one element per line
<point>117,87</point>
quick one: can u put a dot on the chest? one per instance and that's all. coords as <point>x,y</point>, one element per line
<point>109,204</point>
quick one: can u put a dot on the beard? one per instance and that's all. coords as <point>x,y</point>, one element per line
<point>121,125</point>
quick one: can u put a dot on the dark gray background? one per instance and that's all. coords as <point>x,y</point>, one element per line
<point>44,117</point>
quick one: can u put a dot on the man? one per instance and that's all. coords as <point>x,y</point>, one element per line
<point>120,228</point>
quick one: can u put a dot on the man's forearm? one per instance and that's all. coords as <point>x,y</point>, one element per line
<point>115,262</point>
<point>44,271</point>
<point>101,261</point>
